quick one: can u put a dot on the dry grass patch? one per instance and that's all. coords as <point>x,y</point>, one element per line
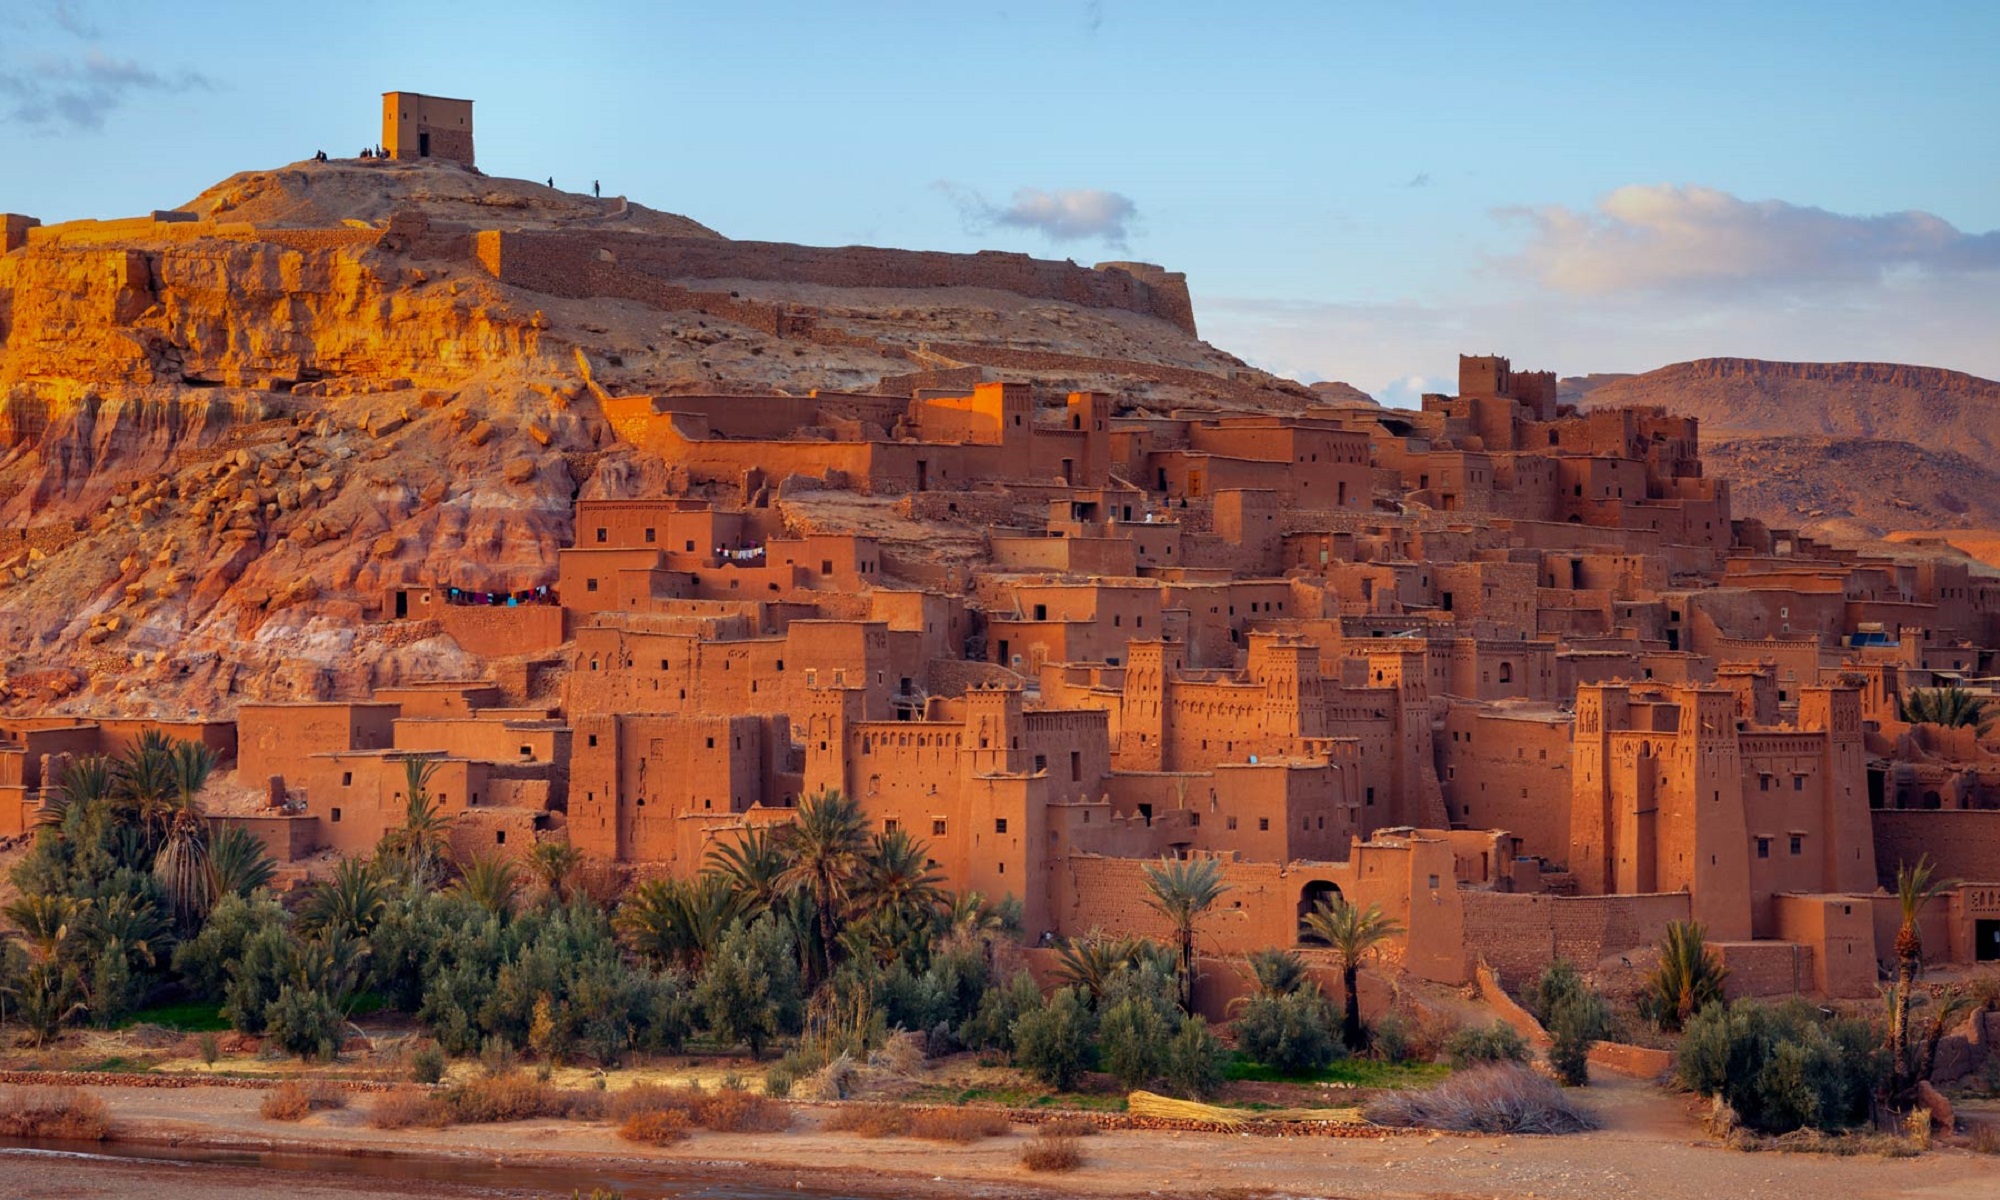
<point>296,1100</point>
<point>958,1125</point>
<point>729,1110</point>
<point>59,1113</point>
<point>1502,1098</point>
<point>661,1127</point>
<point>1045,1152</point>
<point>409,1108</point>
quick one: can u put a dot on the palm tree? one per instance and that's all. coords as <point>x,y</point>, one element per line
<point>896,877</point>
<point>145,778</point>
<point>753,864</point>
<point>677,921</point>
<point>1916,887</point>
<point>824,848</point>
<point>554,865</point>
<point>423,844</point>
<point>1088,963</point>
<point>182,866</point>
<point>1181,890</point>
<point>238,862</point>
<point>1276,972</point>
<point>351,902</point>
<point>1352,932</point>
<point>51,990</point>
<point>490,881</point>
<point>1688,978</point>
<point>1950,706</point>
<point>85,780</point>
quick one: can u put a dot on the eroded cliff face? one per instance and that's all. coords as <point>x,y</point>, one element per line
<point>215,456</point>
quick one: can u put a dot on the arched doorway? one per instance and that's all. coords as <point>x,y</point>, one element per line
<point>1310,898</point>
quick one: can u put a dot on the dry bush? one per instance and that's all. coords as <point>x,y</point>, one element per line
<point>650,1098</point>
<point>831,1082</point>
<point>1071,1127</point>
<point>409,1108</point>
<point>1045,1152</point>
<point>902,1054</point>
<point>1986,1138</point>
<point>869,1120</point>
<point>294,1100</point>
<point>660,1127</point>
<point>1430,1029</point>
<point>60,1113</point>
<point>1501,1098</point>
<point>732,1111</point>
<point>958,1125</point>
<point>514,1096</point>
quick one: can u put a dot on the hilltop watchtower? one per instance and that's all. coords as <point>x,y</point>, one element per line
<point>419,126</point>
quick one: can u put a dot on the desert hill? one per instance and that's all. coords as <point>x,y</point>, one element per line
<point>1879,446</point>
<point>226,430</point>
<point>1928,406</point>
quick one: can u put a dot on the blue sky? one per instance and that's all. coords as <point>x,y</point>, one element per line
<point>1356,191</point>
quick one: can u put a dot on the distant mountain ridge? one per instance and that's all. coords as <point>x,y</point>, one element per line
<point>1930,407</point>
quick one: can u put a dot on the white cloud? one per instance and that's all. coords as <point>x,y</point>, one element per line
<point>1660,237</point>
<point>1061,215</point>
<point>1651,276</point>
<point>1399,351</point>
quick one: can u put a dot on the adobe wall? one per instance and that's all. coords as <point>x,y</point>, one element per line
<point>1767,968</point>
<point>1965,844</point>
<point>497,631</point>
<point>277,739</point>
<point>565,264</point>
<point>287,839</point>
<point>1519,934</point>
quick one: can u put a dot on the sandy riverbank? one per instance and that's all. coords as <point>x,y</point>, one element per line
<point>1647,1148</point>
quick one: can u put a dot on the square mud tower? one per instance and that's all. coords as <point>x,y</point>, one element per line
<point>419,126</point>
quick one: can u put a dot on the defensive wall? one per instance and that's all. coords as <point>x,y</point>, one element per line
<point>566,263</point>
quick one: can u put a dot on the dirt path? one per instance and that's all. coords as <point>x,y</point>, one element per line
<point>1646,1150</point>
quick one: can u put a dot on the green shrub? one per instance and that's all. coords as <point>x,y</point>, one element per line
<point>1195,1060</point>
<point>1132,1041</point>
<point>1495,1043</point>
<point>1053,1042</point>
<point>1783,1067</point>
<point>991,1026</point>
<point>427,1064</point>
<point>750,991</point>
<point>1293,1033</point>
<point>303,1021</point>
<point>1391,1042</point>
<point>1575,1016</point>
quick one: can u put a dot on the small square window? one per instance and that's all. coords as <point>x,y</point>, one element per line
<point>499,837</point>
<point>1263,824</point>
<point>999,824</point>
<point>1763,847</point>
<point>1231,823</point>
<point>601,536</point>
<point>593,739</point>
<point>937,827</point>
<point>1798,844</point>
<point>334,816</point>
<point>346,780</point>
<point>650,536</point>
